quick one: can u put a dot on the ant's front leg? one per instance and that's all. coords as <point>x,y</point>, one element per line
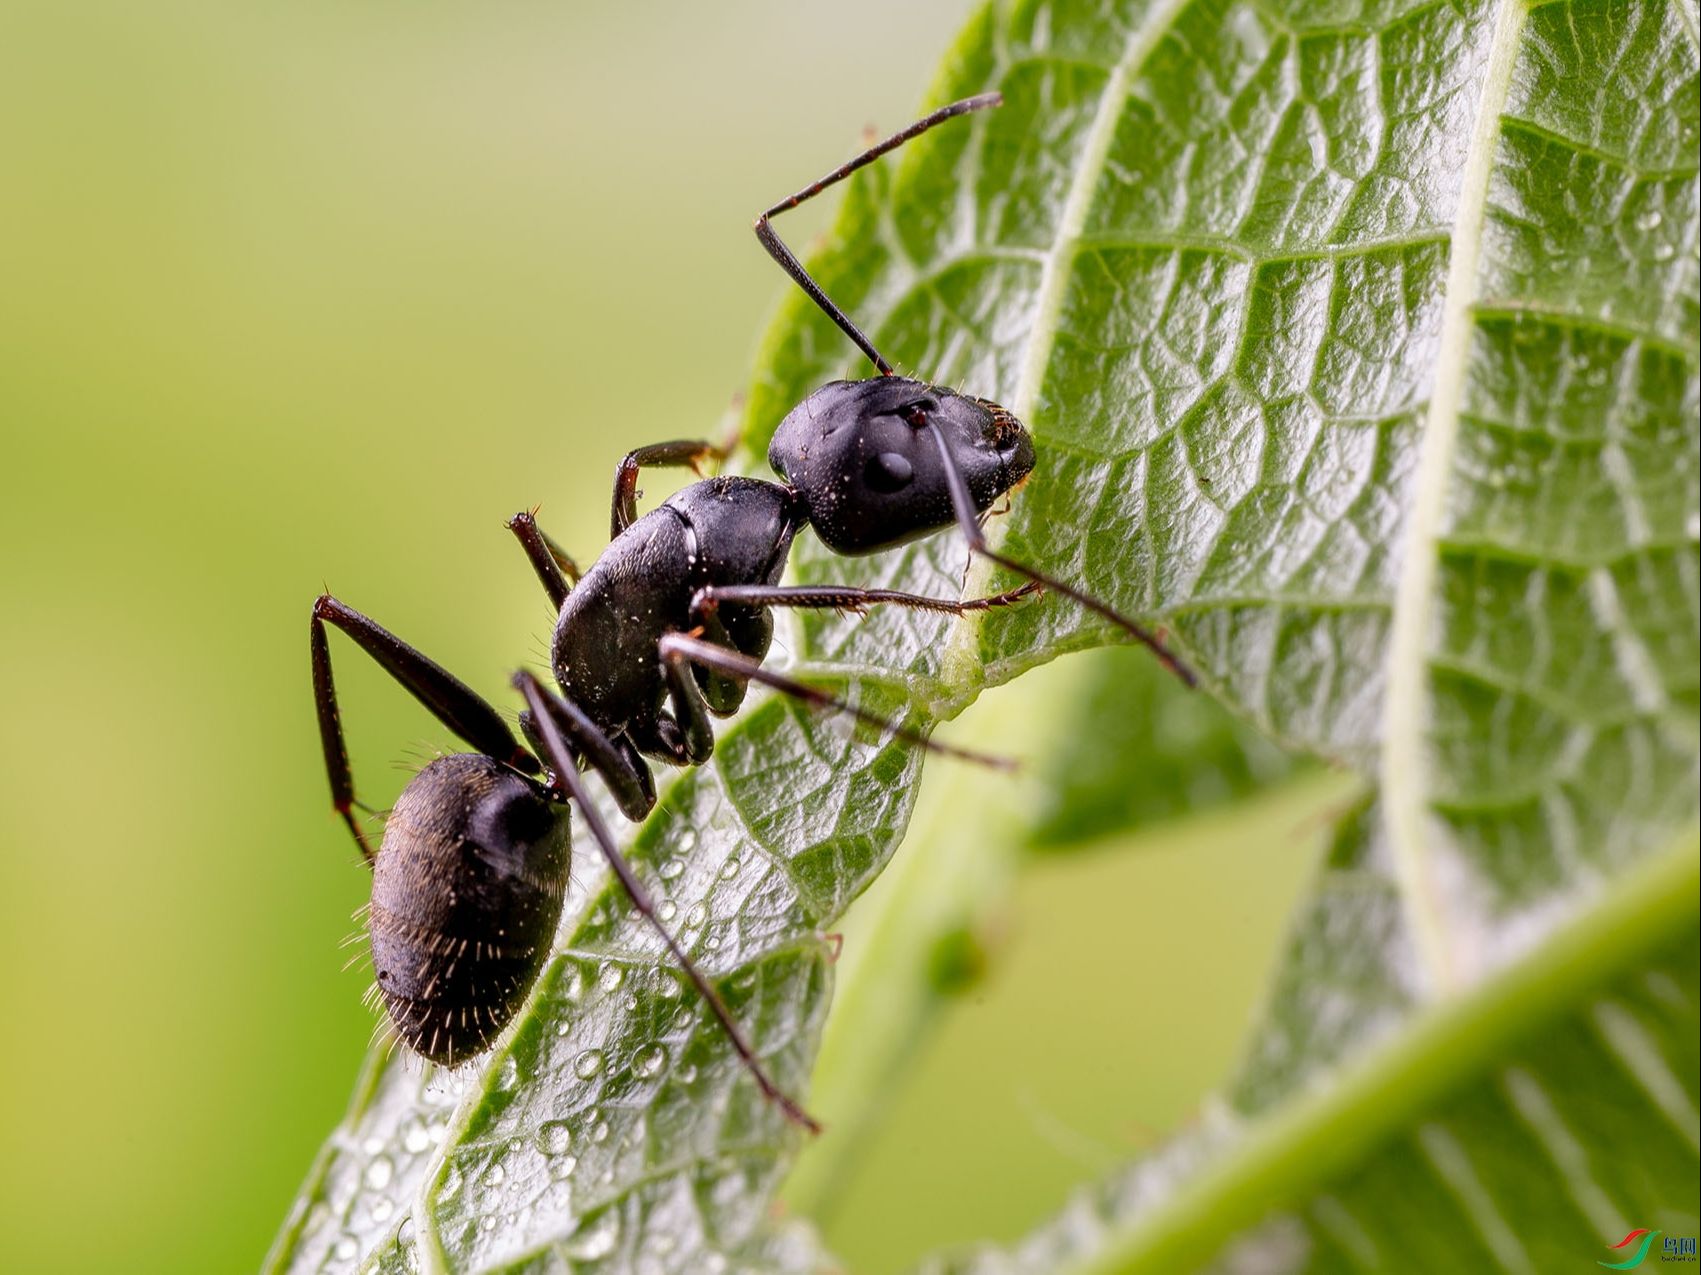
<point>844,597</point>
<point>687,452</point>
<point>968,520</point>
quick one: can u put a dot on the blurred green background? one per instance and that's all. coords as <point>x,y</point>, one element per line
<point>320,293</point>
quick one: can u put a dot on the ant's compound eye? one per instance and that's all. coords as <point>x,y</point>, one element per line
<point>888,472</point>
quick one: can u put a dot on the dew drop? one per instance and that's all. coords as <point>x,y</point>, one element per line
<point>495,1175</point>
<point>346,1249</point>
<point>595,1238</point>
<point>686,1072</point>
<point>378,1173</point>
<point>631,1002</point>
<point>382,1209</point>
<point>609,977</point>
<point>671,868</point>
<point>553,1137</point>
<point>416,1140</point>
<point>688,841</point>
<point>573,983</point>
<point>1649,220</point>
<point>588,1064</point>
<point>600,1133</point>
<point>508,1074</point>
<point>451,1184</point>
<point>564,1166</point>
<point>696,916</point>
<point>666,909</point>
<point>487,1223</point>
<point>730,868</point>
<point>648,1061</point>
<point>1664,252</point>
<point>372,1146</point>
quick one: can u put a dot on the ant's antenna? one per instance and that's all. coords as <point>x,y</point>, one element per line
<point>792,266</point>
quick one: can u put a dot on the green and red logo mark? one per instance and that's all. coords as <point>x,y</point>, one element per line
<point>1677,1248</point>
<point>1643,1239</point>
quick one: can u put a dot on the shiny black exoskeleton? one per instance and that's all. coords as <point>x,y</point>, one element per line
<point>466,893</point>
<point>666,629</point>
<point>671,623</point>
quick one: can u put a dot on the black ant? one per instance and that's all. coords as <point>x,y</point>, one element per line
<point>468,883</point>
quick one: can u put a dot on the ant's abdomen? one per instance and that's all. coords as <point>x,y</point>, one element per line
<point>466,894</point>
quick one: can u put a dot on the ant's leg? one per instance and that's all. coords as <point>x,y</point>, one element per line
<point>681,648</point>
<point>689,452</point>
<point>792,266</point>
<point>625,773</point>
<point>558,572</point>
<point>566,781</point>
<point>450,700</point>
<point>967,519</point>
<point>842,597</point>
<point>690,711</point>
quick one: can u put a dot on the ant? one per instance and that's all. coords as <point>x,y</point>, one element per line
<point>468,883</point>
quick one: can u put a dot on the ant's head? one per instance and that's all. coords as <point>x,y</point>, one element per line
<point>867,471</point>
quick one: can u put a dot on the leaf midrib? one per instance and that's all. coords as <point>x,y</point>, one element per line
<point>1302,1144</point>
<point>1405,764</point>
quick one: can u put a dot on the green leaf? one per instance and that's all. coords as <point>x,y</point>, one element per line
<point>1360,344</point>
<point>1515,1128</point>
<point>1136,747</point>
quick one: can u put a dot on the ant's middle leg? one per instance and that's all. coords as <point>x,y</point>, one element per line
<point>844,597</point>
<point>688,452</point>
<point>449,699</point>
<point>680,649</point>
<point>558,572</point>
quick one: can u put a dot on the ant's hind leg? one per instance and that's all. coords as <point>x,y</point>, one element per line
<point>687,452</point>
<point>558,572</point>
<point>680,649</point>
<point>545,710</point>
<point>450,700</point>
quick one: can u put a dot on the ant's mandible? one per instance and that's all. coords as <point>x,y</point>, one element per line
<point>665,630</point>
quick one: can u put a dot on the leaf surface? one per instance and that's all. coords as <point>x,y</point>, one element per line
<point>1360,345</point>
